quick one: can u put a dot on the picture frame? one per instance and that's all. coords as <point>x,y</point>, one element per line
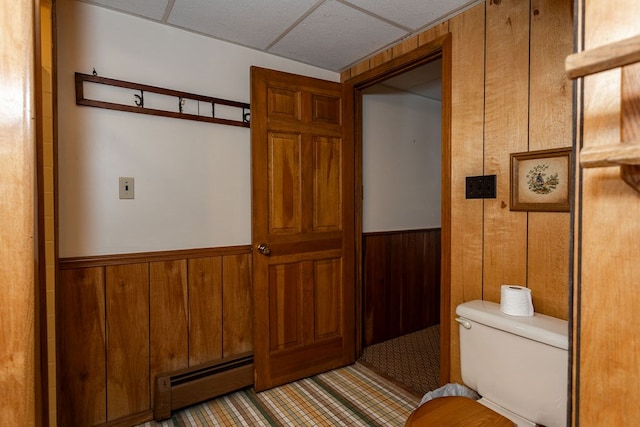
<point>541,180</point>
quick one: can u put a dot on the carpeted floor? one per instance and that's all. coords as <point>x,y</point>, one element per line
<point>412,360</point>
<point>350,396</point>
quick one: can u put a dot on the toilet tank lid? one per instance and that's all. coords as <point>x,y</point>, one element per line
<point>539,327</point>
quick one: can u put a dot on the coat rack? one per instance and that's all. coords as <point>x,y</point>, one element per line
<point>181,98</point>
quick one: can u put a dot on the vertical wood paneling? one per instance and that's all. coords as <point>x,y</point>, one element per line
<point>205,310</point>
<point>82,392</point>
<point>608,340</point>
<point>506,124</point>
<point>550,127</point>
<point>127,314</point>
<point>18,352</point>
<point>376,292</point>
<point>401,283</point>
<point>467,144</point>
<point>433,33</point>
<point>237,320</point>
<point>125,321</point>
<point>168,316</point>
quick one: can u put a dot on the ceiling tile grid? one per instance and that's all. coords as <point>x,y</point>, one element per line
<point>334,35</point>
<point>330,34</point>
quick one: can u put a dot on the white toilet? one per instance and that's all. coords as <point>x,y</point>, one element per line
<point>517,364</point>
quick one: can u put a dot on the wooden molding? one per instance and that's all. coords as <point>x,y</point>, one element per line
<point>133,258</point>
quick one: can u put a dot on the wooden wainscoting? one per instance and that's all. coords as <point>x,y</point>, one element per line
<point>123,319</point>
<point>401,283</point>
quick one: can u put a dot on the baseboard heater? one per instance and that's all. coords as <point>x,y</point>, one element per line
<point>186,387</point>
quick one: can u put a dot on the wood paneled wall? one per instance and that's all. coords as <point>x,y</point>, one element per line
<point>509,94</point>
<point>606,361</point>
<point>401,283</point>
<point>124,319</point>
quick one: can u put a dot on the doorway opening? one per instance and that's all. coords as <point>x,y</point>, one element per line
<point>402,112</point>
<point>401,221</point>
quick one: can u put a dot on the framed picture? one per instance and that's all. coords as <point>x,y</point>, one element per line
<point>541,180</point>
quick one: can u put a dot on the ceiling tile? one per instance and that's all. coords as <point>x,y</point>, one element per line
<point>413,14</point>
<point>335,36</point>
<point>253,23</point>
<point>153,9</point>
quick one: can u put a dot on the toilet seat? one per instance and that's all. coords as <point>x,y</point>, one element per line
<point>455,411</point>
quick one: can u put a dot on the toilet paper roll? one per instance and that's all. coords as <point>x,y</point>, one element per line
<point>516,300</point>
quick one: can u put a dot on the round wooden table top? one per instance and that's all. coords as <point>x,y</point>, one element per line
<point>453,411</point>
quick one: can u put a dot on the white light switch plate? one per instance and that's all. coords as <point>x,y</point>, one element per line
<point>126,187</point>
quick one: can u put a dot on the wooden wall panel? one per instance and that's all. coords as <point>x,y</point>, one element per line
<point>82,396</point>
<point>237,320</point>
<point>608,338</point>
<point>20,378</point>
<point>160,316</point>
<point>127,315</point>
<point>467,144</point>
<point>401,283</point>
<point>168,298</point>
<point>550,115</point>
<point>506,132</point>
<point>376,307</point>
<point>205,310</point>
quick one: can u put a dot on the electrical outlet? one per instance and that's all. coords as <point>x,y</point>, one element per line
<point>126,187</point>
<point>481,187</point>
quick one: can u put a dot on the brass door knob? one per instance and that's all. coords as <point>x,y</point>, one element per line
<point>264,249</point>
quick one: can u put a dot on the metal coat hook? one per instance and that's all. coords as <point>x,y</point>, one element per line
<point>139,99</point>
<point>180,103</point>
<point>95,73</point>
<point>246,116</point>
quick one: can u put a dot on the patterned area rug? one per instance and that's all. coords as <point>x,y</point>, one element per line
<point>350,396</point>
<point>412,360</point>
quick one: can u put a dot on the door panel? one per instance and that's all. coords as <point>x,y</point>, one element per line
<point>302,195</point>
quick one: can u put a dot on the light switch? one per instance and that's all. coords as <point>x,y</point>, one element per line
<point>126,187</point>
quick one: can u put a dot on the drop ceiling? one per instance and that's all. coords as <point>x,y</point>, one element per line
<point>330,34</point>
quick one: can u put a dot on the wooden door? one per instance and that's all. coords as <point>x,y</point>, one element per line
<point>302,226</point>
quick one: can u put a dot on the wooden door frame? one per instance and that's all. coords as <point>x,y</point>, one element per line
<point>438,48</point>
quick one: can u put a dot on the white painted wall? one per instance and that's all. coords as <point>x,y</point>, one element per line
<point>401,161</point>
<point>192,179</point>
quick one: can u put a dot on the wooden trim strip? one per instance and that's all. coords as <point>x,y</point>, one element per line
<point>610,155</point>
<point>390,233</point>
<point>613,55</point>
<point>134,258</point>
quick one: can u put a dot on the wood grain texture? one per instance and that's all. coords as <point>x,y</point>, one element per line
<point>168,316</point>
<point>401,283</point>
<point>467,144</point>
<point>608,341</point>
<point>205,310</point>
<point>18,378</point>
<point>82,366</point>
<point>237,317</point>
<point>506,131</point>
<point>127,314</point>
<point>550,114</point>
<point>123,367</point>
<point>603,58</point>
<point>433,33</point>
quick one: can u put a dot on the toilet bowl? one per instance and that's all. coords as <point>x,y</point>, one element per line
<point>517,364</point>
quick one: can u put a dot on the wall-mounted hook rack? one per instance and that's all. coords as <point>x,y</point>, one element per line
<point>139,101</point>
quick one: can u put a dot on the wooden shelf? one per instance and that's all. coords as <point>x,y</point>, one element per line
<point>623,53</point>
<point>618,54</point>
<point>610,155</point>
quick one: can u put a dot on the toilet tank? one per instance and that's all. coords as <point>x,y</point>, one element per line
<point>518,363</point>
